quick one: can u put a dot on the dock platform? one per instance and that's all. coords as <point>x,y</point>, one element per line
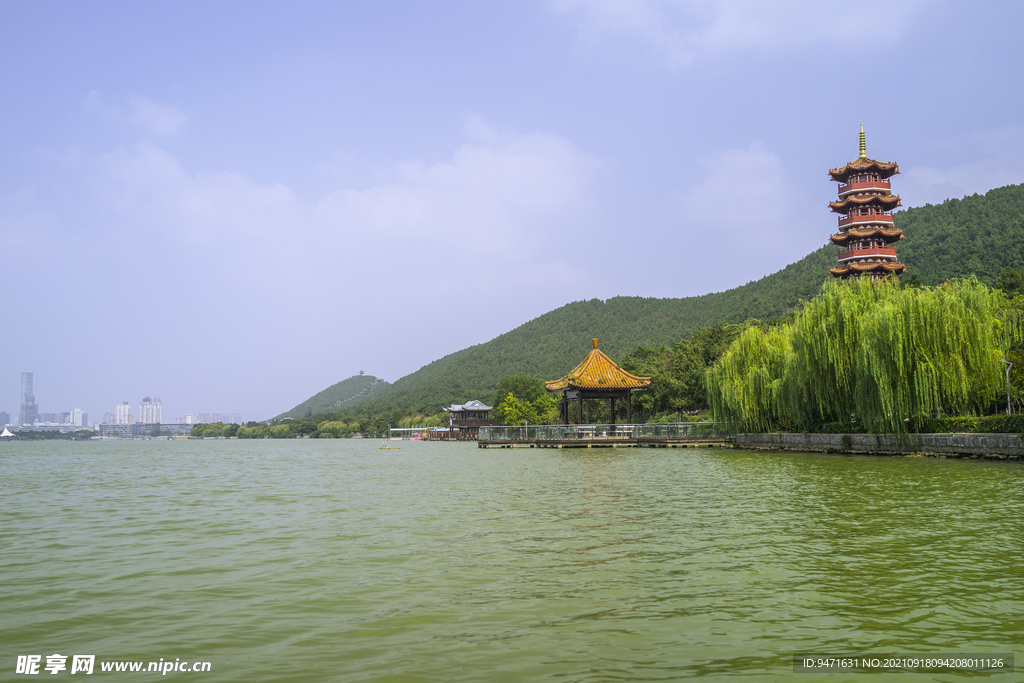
<point>673,435</point>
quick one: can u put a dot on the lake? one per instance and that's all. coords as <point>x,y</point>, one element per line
<point>333,560</point>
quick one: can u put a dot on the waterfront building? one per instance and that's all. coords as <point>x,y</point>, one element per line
<point>597,377</point>
<point>124,413</point>
<point>468,418</point>
<point>866,236</point>
<point>29,410</point>
<point>151,411</point>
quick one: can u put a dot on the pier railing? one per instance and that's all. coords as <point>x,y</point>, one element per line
<point>671,430</point>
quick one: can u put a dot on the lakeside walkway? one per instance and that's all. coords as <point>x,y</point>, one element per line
<point>671,435</point>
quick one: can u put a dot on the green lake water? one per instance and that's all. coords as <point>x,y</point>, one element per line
<point>333,560</point>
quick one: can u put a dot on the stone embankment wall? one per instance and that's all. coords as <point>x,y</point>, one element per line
<point>994,446</point>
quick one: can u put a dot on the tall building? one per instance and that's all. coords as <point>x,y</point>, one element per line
<point>151,411</point>
<point>29,410</point>
<point>124,413</point>
<point>5,419</point>
<point>866,235</point>
<point>79,419</point>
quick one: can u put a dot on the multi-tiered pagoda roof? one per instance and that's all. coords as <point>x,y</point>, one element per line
<point>865,204</point>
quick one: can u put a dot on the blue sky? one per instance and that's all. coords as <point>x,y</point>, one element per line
<point>233,205</point>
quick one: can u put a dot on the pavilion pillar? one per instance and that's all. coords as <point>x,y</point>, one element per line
<point>579,408</point>
<point>629,408</point>
<point>613,410</point>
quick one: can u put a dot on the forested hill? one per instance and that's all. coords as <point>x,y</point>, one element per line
<point>345,394</point>
<point>551,345</point>
<point>976,235</point>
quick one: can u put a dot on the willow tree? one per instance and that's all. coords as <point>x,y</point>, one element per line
<point>744,385</point>
<point>867,350</point>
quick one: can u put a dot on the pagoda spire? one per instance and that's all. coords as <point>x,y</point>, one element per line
<point>866,236</point>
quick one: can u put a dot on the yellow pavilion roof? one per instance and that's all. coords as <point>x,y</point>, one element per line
<point>598,371</point>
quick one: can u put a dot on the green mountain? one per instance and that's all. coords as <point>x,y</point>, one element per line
<point>345,394</point>
<point>978,235</point>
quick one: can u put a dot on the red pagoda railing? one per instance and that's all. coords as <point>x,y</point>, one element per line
<point>865,185</point>
<point>867,251</point>
<point>865,218</point>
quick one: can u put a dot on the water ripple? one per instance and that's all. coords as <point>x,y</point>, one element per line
<point>333,560</point>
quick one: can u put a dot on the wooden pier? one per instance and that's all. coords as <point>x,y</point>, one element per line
<point>675,435</point>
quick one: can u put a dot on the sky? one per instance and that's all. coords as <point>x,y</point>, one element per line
<point>233,205</point>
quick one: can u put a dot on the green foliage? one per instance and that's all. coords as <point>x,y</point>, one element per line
<point>970,424</point>
<point>978,235</point>
<point>526,390</point>
<point>677,373</point>
<point>516,412</point>
<point>881,353</point>
<point>1010,281</point>
<point>347,393</point>
<point>438,419</point>
<point>215,429</point>
<point>522,399</point>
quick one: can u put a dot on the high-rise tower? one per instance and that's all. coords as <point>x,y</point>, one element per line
<point>866,235</point>
<point>29,410</point>
<point>151,411</point>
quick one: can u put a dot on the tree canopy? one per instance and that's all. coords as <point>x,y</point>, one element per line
<point>873,352</point>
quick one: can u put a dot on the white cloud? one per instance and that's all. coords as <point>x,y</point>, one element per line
<point>686,31</point>
<point>157,118</point>
<point>499,190</point>
<point>150,184</point>
<point>141,112</point>
<point>483,237</point>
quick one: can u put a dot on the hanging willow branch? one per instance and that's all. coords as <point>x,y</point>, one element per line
<point>866,350</point>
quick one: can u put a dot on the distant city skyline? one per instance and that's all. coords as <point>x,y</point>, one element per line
<point>150,411</point>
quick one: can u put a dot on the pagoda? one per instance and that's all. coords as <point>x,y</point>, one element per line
<point>597,377</point>
<point>866,235</point>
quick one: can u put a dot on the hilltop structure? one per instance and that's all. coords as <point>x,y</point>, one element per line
<point>597,377</point>
<point>866,232</point>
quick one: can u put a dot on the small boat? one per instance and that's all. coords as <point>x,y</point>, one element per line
<point>385,447</point>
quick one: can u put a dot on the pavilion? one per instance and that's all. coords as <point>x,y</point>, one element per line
<point>597,377</point>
